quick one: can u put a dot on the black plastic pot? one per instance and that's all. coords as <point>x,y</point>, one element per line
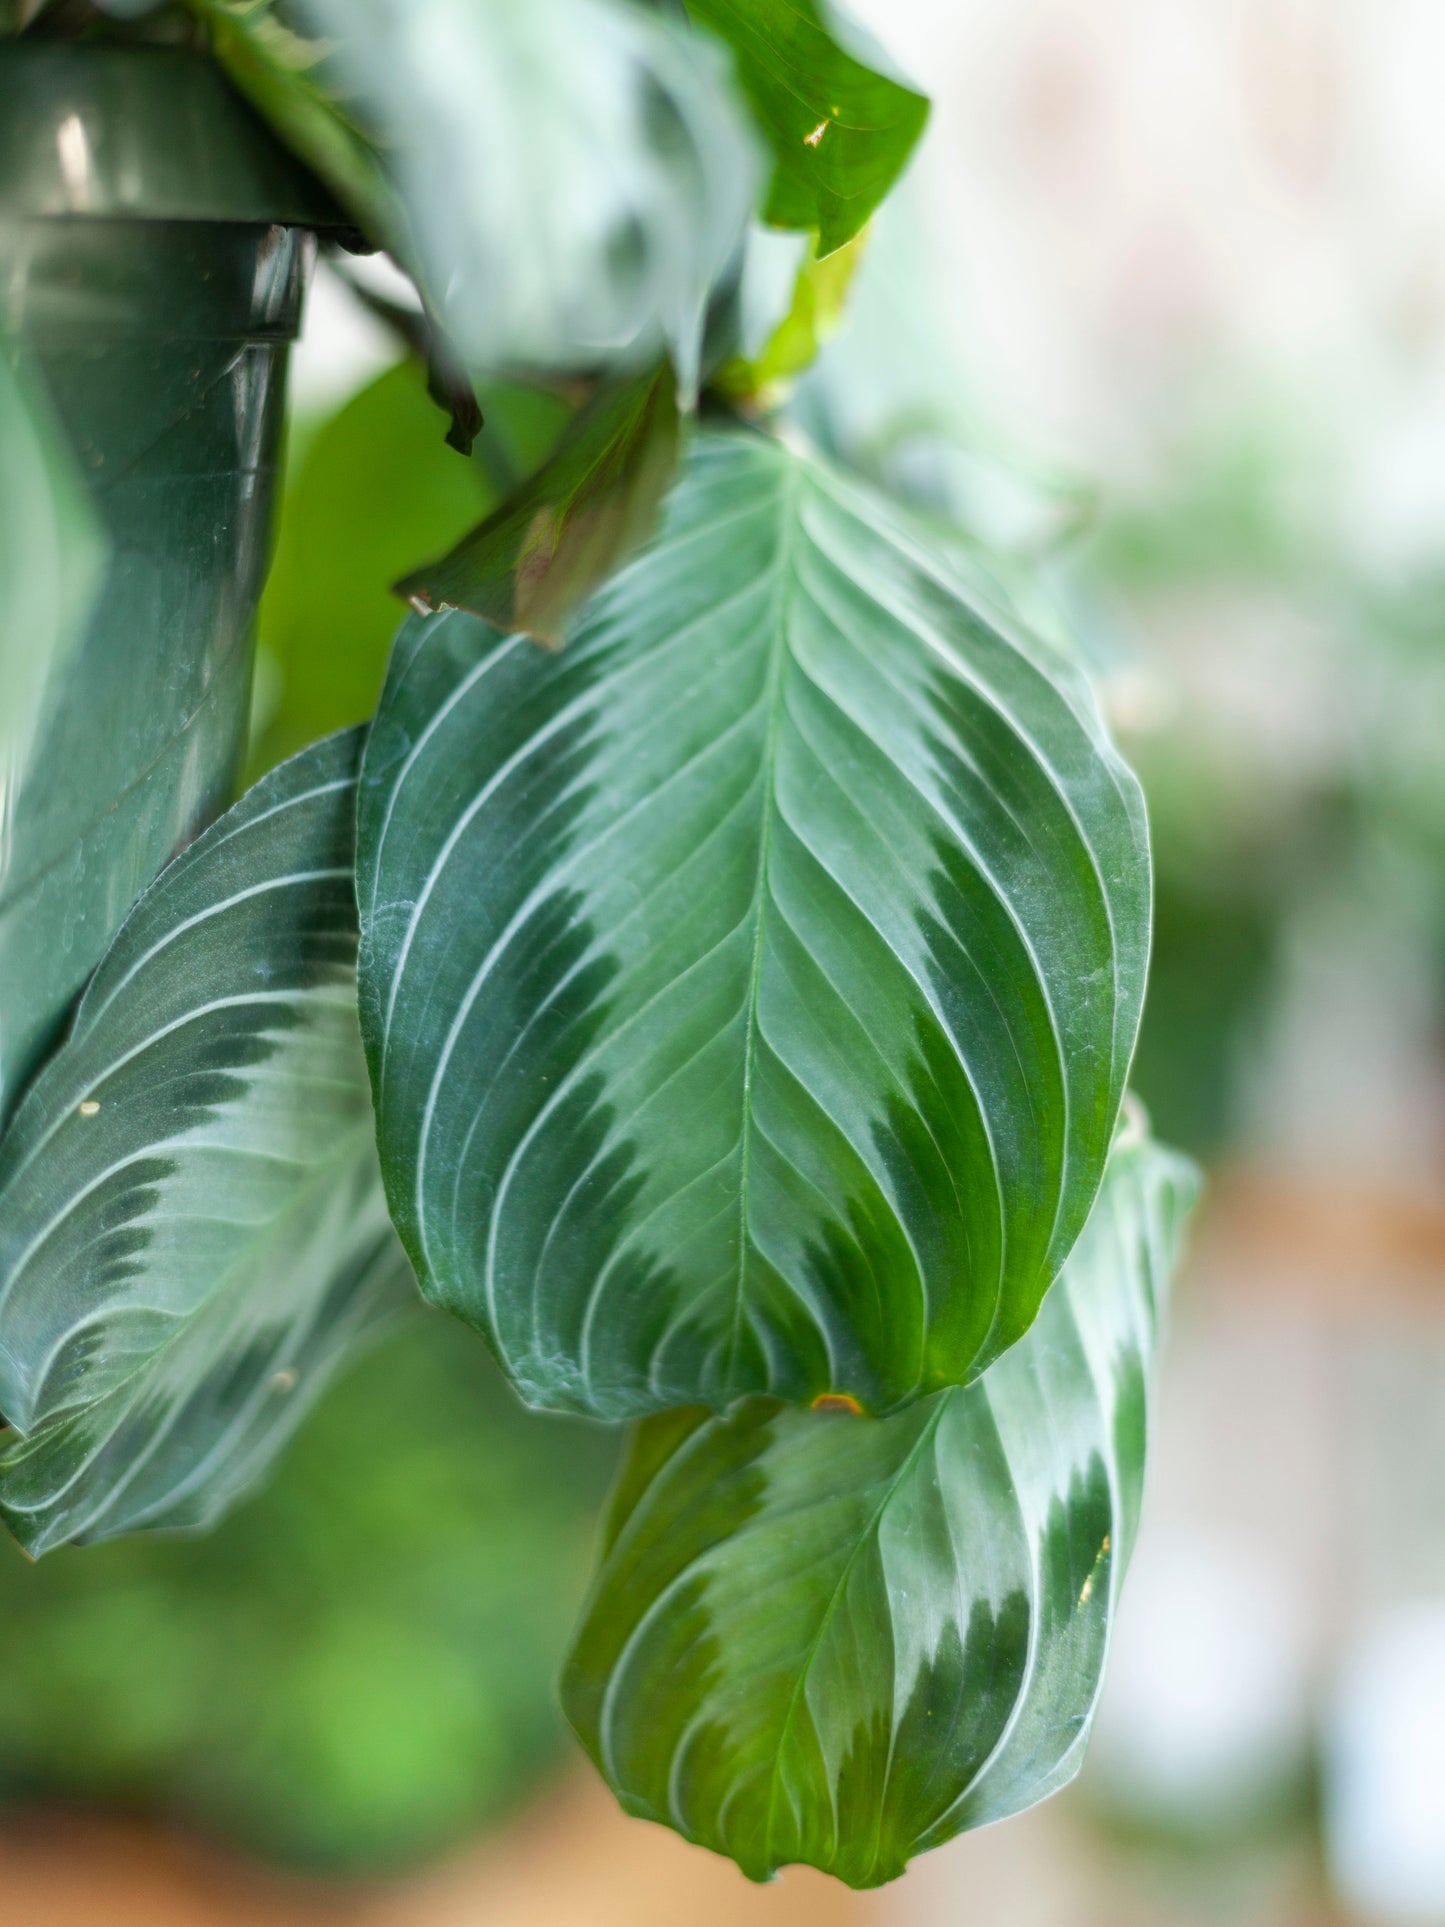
<point>154,244</point>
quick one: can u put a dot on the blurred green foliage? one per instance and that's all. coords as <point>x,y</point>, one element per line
<point>1213,961</point>
<point>371,492</point>
<point>1246,829</point>
<point>1233,840</point>
<point>357,1668</point>
<point>1224,511</point>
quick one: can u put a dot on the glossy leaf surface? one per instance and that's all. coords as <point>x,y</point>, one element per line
<point>748,989</point>
<point>576,173</point>
<point>837,1640</point>
<point>839,129</point>
<point>192,1233</point>
<point>544,550</point>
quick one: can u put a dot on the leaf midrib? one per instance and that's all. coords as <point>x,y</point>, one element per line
<point>792,475</point>
<point>840,1586</point>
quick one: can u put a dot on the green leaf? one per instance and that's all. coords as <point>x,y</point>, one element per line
<point>842,1641</point>
<point>840,131</point>
<point>820,294</point>
<point>544,551</point>
<point>52,555</point>
<point>749,989</point>
<point>192,1234</point>
<point>374,489</point>
<point>576,173</point>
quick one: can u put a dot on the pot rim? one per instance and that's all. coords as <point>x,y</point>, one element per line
<point>142,133</point>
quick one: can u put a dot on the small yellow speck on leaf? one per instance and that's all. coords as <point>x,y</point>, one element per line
<point>837,1402</point>
<point>89,1107</point>
<point>1105,1547</point>
<point>1088,1588</point>
<point>811,140</point>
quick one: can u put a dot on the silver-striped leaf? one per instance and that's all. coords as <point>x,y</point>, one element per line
<point>837,1640</point>
<point>749,988</point>
<point>192,1228</point>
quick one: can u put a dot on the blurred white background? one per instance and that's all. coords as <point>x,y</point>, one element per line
<point>1206,238</point>
<point>1146,210</point>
